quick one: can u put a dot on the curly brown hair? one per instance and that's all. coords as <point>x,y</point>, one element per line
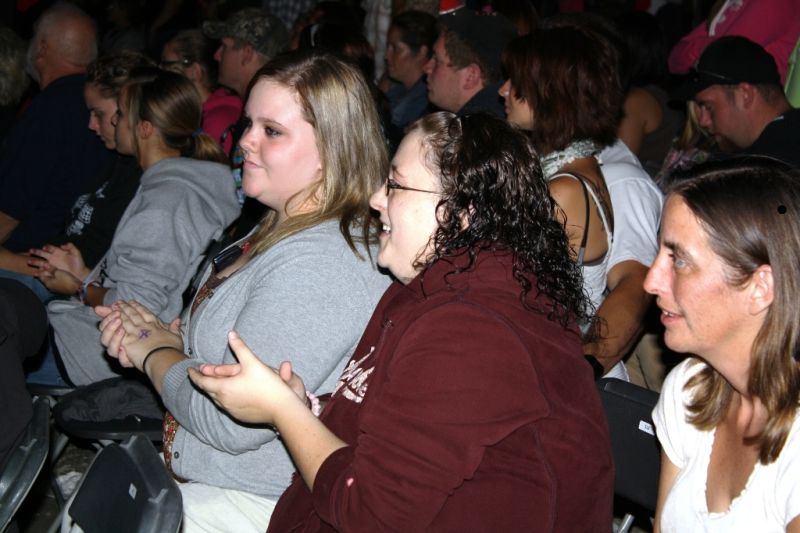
<point>490,174</point>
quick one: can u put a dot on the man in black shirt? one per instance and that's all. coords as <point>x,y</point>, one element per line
<point>738,89</point>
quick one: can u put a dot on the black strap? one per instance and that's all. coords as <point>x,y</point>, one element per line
<point>582,249</point>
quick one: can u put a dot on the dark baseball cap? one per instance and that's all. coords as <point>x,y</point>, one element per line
<point>486,34</point>
<point>729,61</point>
<point>264,32</point>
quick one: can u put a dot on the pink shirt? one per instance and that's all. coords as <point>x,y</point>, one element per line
<point>774,24</point>
<point>220,111</point>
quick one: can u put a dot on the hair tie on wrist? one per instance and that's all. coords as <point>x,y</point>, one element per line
<point>316,408</point>
<point>151,352</point>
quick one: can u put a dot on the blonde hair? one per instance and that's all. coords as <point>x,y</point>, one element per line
<point>172,104</point>
<point>692,134</point>
<point>337,102</point>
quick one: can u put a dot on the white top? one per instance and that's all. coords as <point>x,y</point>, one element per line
<point>769,501</point>
<point>595,274</point>
<point>637,203</point>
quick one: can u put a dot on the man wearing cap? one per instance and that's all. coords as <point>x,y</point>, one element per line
<point>249,38</point>
<point>737,87</point>
<point>464,72</point>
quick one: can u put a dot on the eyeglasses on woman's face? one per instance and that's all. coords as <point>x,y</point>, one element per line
<point>391,184</point>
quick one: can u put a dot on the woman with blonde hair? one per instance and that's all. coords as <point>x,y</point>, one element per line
<point>727,283</point>
<point>467,405</point>
<point>303,283</point>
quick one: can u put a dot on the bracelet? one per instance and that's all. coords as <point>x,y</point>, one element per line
<point>154,350</point>
<point>316,408</point>
<point>82,292</point>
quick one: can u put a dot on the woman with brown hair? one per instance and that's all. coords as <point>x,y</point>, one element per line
<point>191,54</point>
<point>564,89</point>
<point>727,283</point>
<point>184,201</point>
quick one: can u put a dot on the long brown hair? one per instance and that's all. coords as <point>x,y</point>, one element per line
<point>750,210</point>
<point>172,105</point>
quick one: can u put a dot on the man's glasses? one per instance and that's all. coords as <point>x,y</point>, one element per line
<point>392,184</point>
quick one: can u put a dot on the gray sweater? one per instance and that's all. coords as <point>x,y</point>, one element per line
<point>180,207</point>
<point>306,299</point>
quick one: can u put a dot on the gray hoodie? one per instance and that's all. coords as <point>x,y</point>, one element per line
<point>180,207</point>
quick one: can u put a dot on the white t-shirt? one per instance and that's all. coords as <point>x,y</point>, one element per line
<point>637,203</point>
<point>771,497</point>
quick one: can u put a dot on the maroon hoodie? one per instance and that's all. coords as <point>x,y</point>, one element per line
<point>463,411</point>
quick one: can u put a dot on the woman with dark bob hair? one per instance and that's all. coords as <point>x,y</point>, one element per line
<point>726,279</point>
<point>467,404</point>
<point>564,89</point>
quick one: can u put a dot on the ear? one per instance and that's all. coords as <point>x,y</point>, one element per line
<point>248,54</point>
<point>145,129</point>
<point>41,50</point>
<point>761,290</point>
<point>465,215</point>
<point>472,77</point>
<point>745,95</point>
<point>423,54</point>
<point>194,72</point>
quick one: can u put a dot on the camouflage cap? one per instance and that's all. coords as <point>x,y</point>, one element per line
<point>264,32</point>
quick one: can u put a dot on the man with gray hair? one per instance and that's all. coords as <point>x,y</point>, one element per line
<point>249,38</point>
<point>49,157</point>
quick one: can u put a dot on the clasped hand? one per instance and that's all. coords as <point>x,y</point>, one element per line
<point>250,390</point>
<point>60,268</point>
<point>129,331</point>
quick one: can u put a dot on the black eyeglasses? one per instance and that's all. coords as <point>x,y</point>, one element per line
<point>179,63</point>
<point>392,184</point>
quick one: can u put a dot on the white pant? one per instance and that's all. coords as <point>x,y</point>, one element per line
<point>214,510</point>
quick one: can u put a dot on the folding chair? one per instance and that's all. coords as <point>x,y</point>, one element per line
<point>127,490</point>
<point>637,456</point>
<point>25,463</point>
<point>110,410</point>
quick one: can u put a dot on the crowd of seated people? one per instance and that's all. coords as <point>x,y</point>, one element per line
<point>406,288</point>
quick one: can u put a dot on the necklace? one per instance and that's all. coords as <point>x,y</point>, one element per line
<point>576,150</point>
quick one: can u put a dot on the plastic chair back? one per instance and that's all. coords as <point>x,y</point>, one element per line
<point>637,455</point>
<point>25,463</point>
<point>127,490</point>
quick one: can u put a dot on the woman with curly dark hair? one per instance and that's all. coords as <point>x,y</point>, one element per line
<point>467,404</point>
